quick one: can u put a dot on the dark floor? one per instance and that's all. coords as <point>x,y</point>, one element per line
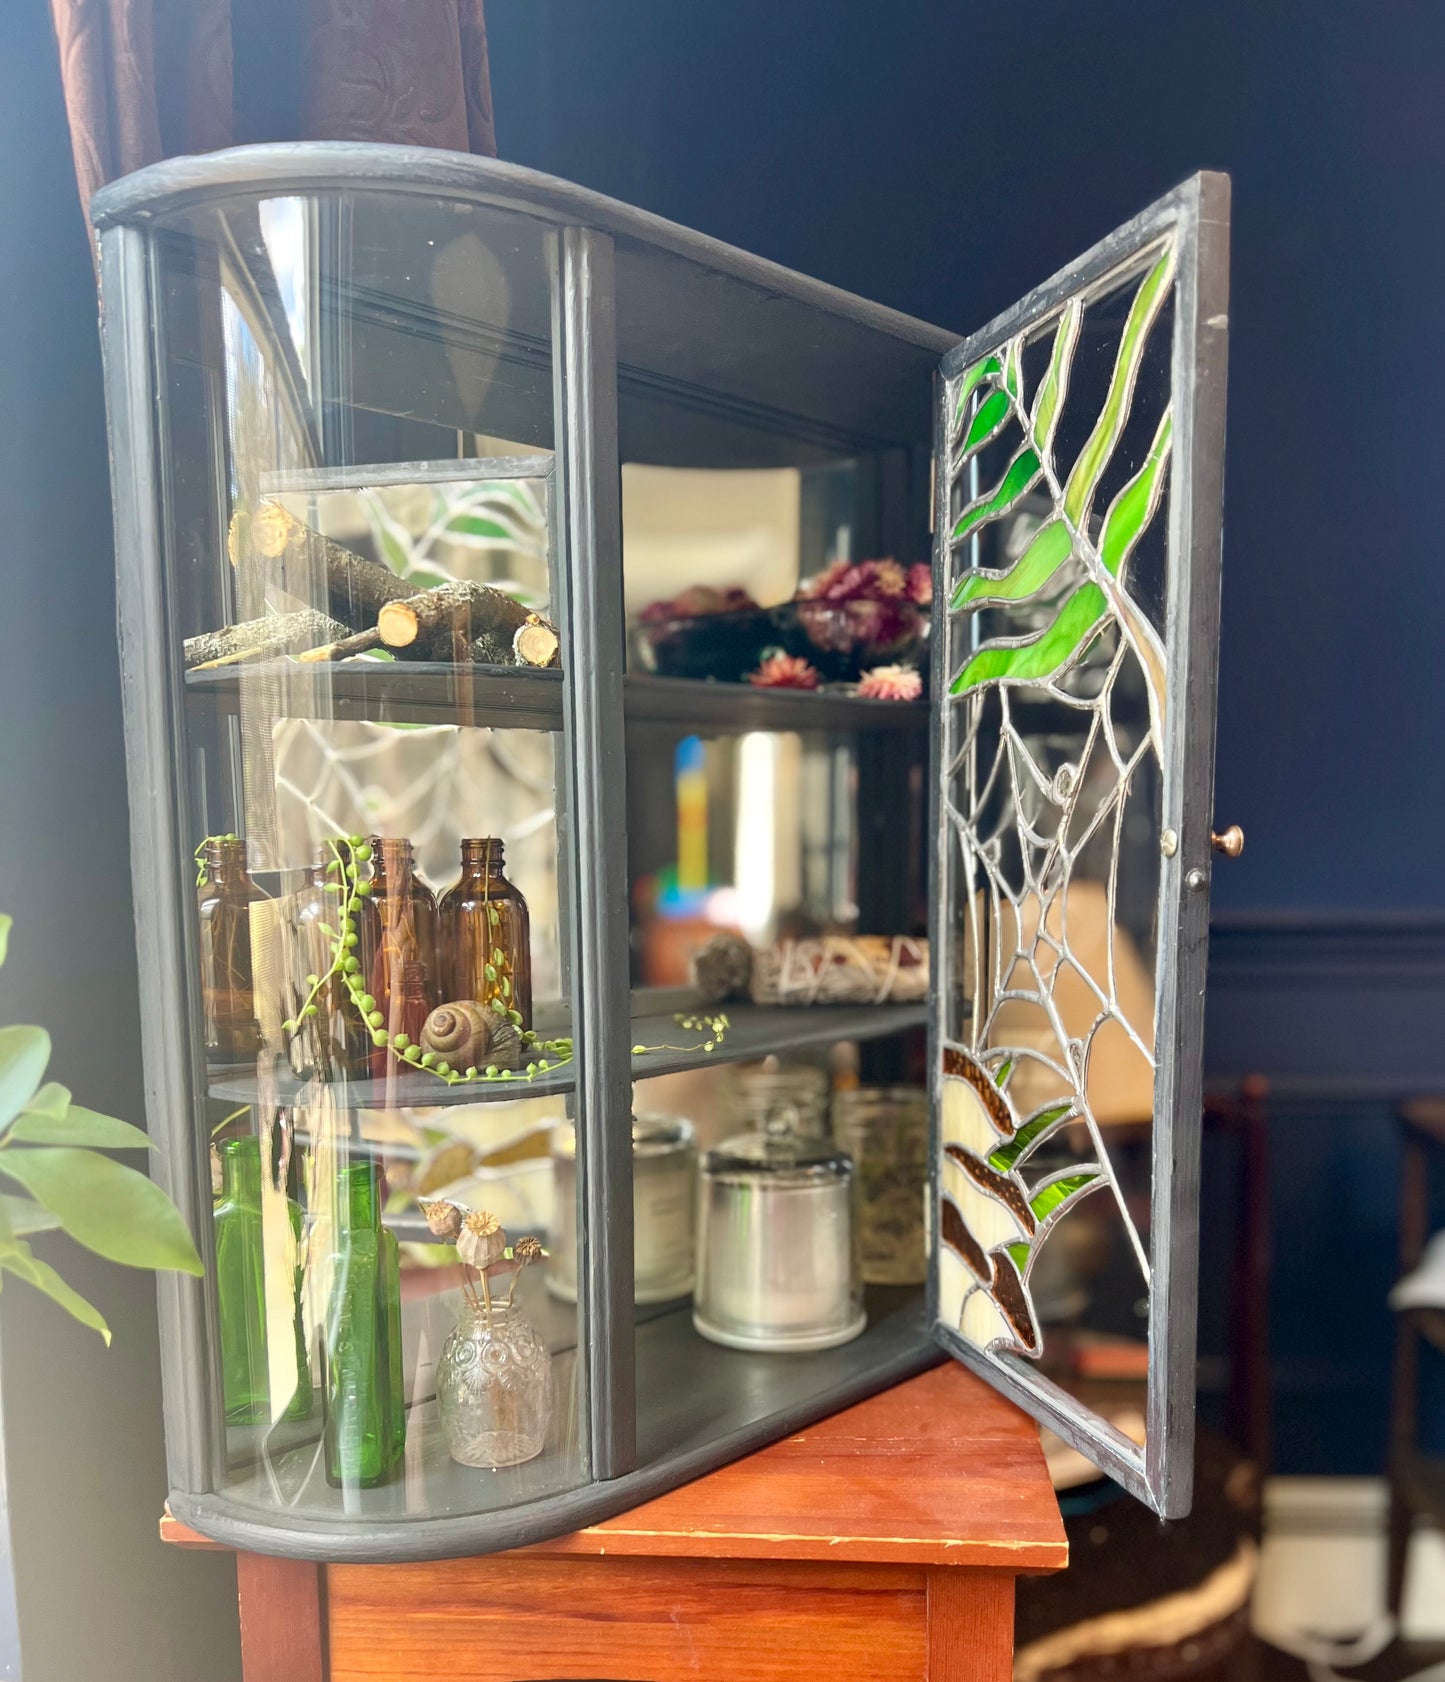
<point>1393,1665</point>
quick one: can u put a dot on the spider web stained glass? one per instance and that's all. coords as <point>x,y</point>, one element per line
<point>1058,459</point>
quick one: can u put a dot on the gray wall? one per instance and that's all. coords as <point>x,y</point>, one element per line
<point>99,1596</point>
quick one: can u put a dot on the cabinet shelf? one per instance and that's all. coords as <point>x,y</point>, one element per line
<point>754,1031</point>
<point>522,698</point>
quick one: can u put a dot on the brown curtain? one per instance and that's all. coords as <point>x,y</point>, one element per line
<point>149,79</point>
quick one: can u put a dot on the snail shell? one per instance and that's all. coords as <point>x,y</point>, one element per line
<point>505,1049</point>
<point>461,1033</point>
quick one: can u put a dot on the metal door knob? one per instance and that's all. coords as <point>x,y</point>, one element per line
<point>1230,843</point>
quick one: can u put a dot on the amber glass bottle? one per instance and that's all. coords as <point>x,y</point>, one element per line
<point>486,934</point>
<point>335,1042</point>
<point>228,985</point>
<point>398,927</point>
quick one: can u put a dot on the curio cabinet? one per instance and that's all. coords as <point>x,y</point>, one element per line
<point>671,826</point>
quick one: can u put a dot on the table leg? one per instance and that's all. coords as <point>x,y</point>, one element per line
<point>970,1626</point>
<point>282,1635</point>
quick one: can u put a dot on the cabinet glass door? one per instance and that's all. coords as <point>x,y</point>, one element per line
<point>1079,444</point>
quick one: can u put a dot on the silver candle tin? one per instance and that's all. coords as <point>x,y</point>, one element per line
<point>777,1251</point>
<point>664,1171</point>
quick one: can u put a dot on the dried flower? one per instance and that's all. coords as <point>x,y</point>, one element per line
<point>527,1250</point>
<point>481,1240</point>
<point>444,1219</point>
<point>920,584</point>
<point>785,671</point>
<point>887,578</point>
<point>822,584</point>
<point>890,683</point>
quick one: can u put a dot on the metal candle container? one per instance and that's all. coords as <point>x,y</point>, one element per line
<point>777,1254</point>
<point>664,1162</point>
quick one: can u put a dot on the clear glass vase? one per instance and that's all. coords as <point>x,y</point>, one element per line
<point>494,1387</point>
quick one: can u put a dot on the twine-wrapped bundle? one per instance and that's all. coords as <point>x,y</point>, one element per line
<point>842,970</point>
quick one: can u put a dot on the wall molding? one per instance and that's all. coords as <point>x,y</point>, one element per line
<point>1327,949</point>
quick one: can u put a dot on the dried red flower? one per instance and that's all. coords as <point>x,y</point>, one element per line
<point>890,683</point>
<point>785,671</point>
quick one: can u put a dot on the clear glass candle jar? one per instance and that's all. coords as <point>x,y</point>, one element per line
<point>885,1130</point>
<point>777,1253</point>
<point>664,1164</point>
<point>774,1097</point>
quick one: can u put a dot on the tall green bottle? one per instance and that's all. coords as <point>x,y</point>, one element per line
<point>365,1398</point>
<point>241,1288</point>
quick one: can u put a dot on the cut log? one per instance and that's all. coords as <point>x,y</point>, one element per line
<point>437,623</point>
<point>356,588</point>
<point>278,633</point>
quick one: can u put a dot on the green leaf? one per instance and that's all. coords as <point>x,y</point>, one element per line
<point>1028,1135</point>
<point>427,578</point>
<point>1054,386</point>
<point>1049,547</point>
<point>1005,1069</point>
<point>992,414</point>
<point>1058,1192</point>
<point>79,1126</point>
<point>6,923</point>
<point>24,1052</point>
<point>53,1099</point>
<point>35,1272</point>
<point>18,1215</point>
<point>988,368</point>
<point>1012,353</point>
<point>479,529</point>
<point>1018,1254</point>
<point>109,1208</point>
<point>1134,507</point>
<point>1023,470</point>
<point>1094,457</point>
<point>1037,661</point>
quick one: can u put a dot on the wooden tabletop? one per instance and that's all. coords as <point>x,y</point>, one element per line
<point>939,1470</point>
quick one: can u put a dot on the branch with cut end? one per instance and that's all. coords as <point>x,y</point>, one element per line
<point>278,633</point>
<point>448,621</point>
<point>301,559</point>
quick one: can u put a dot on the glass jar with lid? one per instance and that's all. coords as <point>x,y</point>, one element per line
<point>772,1096</point>
<point>664,1161</point>
<point>777,1255</point>
<point>885,1130</point>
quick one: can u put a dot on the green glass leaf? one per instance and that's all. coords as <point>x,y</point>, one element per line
<point>6,923</point>
<point>24,1052</point>
<point>1035,662</point>
<point>35,1272</point>
<point>479,528</point>
<point>1049,547</point>
<point>1054,386</point>
<point>78,1126</point>
<point>1135,506</point>
<point>993,412</point>
<point>1056,1194</point>
<point>18,1215</point>
<point>1028,1135</point>
<point>1023,470</point>
<point>1005,1069</point>
<point>53,1099</point>
<point>988,368</point>
<point>1018,1254</point>
<point>109,1208</point>
<point>1012,352</point>
<point>1094,457</point>
<point>427,578</point>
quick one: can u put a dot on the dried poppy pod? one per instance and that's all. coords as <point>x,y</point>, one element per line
<point>481,1240</point>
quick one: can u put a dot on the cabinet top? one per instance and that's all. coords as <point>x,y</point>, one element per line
<point>298,167</point>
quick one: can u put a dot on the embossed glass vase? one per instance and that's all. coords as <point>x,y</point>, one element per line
<point>494,1388</point>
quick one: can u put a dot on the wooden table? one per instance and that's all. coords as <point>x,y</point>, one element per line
<point>881,1544</point>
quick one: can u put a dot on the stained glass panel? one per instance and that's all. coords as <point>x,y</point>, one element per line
<point>1065,549</point>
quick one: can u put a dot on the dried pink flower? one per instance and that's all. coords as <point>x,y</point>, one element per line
<point>890,683</point>
<point>822,583</point>
<point>885,578</point>
<point>785,671</point>
<point>920,583</point>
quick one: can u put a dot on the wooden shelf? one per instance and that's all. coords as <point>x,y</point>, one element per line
<point>754,1031</point>
<point>522,698</point>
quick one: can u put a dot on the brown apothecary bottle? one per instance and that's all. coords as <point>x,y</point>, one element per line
<point>228,983</point>
<point>487,934</point>
<point>398,927</point>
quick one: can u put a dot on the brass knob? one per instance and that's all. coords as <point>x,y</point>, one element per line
<point>1230,843</point>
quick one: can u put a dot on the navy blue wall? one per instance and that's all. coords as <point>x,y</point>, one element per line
<point>943,157</point>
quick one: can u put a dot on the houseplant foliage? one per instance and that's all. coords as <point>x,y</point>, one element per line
<point>51,1149</point>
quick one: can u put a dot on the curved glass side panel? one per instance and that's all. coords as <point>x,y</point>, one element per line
<point>355,432</point>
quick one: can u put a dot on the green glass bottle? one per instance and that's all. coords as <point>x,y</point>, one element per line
<point>241,1290</point>
<point>365,1402</point>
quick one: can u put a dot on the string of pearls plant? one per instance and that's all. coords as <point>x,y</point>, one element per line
<point>350,857</point>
